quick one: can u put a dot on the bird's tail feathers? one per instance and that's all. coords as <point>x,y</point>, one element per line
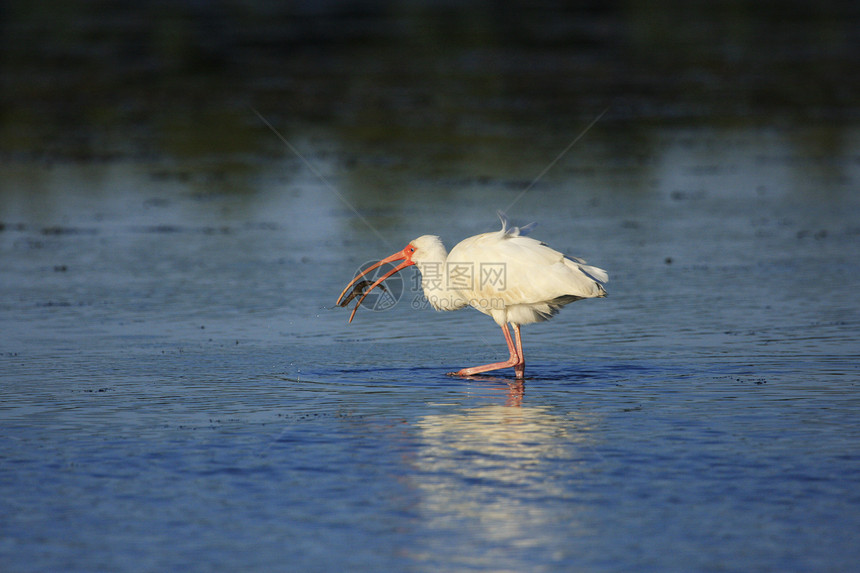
<point>598,275</point>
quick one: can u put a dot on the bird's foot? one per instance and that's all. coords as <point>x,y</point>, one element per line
<point>460,373</point>
<point>519,369</point>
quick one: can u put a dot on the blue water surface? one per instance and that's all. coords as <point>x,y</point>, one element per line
<point>179,391</point>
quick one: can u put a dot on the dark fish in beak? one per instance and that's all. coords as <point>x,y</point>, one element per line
<point>359,286</point>
<point>358,290</point>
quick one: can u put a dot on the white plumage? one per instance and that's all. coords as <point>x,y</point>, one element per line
<point>505,274</point>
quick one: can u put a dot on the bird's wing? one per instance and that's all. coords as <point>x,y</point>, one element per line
<point>521,270</point>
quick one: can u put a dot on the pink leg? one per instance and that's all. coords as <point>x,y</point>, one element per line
<point>520,366</point>
<point>515,361</point>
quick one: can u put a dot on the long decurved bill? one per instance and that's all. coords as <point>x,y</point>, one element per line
<point>405,255</point>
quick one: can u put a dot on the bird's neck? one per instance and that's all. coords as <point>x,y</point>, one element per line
<point>435,282</point>
<point>432,266</point>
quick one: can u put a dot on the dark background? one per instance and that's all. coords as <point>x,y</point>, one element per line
<point>109,79</point>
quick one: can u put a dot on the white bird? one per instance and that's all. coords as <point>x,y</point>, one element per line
<point>513,278</point>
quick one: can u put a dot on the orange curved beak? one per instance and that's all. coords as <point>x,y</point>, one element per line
<point>405,255</point>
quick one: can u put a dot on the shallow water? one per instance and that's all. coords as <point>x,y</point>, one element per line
<point>179,390</point>
<point>179,378</point>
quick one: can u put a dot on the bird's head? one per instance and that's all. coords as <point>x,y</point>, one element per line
<point>427,249</point>
<point>418,251</point>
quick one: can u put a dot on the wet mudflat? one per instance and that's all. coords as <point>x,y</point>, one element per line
<point>179,390</point>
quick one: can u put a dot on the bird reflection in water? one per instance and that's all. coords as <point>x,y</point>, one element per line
<point>500,477</point>
<point>516,389</point>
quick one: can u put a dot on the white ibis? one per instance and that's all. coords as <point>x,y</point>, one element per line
<point>513,278</point>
